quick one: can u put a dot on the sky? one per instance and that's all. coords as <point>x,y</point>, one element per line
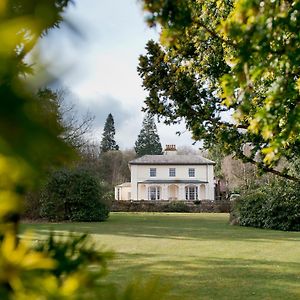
<point>98,65</point>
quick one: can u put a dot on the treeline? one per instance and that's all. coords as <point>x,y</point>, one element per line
<point>83,189</point>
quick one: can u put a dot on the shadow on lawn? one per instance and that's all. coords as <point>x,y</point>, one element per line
<point>214,278</point>
<point>179,227</point>
<point>195,277</point>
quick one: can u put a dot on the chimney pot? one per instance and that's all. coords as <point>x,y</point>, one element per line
<point>170,149</point>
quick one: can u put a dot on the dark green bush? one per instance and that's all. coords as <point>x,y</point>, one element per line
<point>74,195</point>
<point>176,206</point>
<point>275,206</point>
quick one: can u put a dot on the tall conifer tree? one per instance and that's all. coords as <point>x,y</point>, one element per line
<point>148,141</point>
<point>108,136</point>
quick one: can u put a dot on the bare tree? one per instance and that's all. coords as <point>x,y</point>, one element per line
<point>75,126</point>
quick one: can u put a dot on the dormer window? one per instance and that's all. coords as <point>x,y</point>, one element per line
<point>191,172</point>
<point>152,172</point>
<point>172,172</point>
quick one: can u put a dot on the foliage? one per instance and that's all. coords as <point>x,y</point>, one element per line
<point>275,206</point>
<point>178,206</point>
<point>216,154</point>
<point>32,205</point>
<point>113,166</point>
<point>74,195</point>
<point>228,58</point>
<point>73,253</point>
<point>108,137</point>
<point>28,131</point>
<point>55,269</point>
<point>148,141</point>
<point>29,144</point>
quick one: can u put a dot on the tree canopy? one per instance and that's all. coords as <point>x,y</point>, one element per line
<point>231,70</point>
<point>148,141</point>
<point>108,142</point>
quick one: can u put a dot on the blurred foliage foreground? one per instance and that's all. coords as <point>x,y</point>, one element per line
<point>29,143</point>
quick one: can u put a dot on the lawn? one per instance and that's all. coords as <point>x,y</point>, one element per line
<point>198,256</point>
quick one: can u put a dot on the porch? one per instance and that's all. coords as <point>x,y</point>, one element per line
<point>189,191</point>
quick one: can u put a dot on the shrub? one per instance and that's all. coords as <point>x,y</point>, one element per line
<point>74,195</point>
<point>248,210</point>
<point>275,206</point>
<point>176,206</point>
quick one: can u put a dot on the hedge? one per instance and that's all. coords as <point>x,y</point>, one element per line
<point>275,206</point>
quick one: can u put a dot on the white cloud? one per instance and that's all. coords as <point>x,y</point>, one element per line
<point>99,66</point>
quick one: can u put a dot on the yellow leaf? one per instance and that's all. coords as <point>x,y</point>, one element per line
<point>298,84</point>
<point>70,285</point>
<point>10,202</point>
<point>254,126</point>
<point>3,5</point>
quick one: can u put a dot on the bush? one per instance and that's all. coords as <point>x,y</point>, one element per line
<point>177,206</point>
<point>275,206</point>
<point>74,195</point>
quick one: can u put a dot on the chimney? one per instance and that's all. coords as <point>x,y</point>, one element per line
<point>170,150</point>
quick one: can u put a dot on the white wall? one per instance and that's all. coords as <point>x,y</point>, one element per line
<point>141,173</point>
<point>124,192</point>
<point>162,172</point>
<point>134,181</point>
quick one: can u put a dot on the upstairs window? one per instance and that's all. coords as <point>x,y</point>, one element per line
<point>172,172</point>
<point>152,172</point>
<point>191,172</point>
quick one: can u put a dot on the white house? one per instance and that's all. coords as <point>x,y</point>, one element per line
<point>169,177</point>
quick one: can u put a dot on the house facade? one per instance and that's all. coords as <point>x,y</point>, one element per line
<point>169,177</point>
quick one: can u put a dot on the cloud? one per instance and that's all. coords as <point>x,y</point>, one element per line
<point>127,120</point>
<point>99,66</point>
<point>101,106</point>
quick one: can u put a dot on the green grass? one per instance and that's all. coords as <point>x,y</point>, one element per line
<point>199,256</point>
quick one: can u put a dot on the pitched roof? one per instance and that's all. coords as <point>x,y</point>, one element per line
<point>171,160</point>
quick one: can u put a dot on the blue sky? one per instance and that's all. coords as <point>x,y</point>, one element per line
<point>98,66</point>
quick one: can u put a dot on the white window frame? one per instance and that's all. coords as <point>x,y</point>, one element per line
<point>191,192</point>
<point>192,172</point>
<point>172,172</point>
<point>152,172</point>
<point>154,192</point>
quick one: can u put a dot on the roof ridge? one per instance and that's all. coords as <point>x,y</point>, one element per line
<point>181,159</point>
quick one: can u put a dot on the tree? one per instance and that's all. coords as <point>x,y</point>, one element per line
<point>108,137</point>
<point>29,144</point>
<point>74,195</point>
<point>230,69</point>
<point>148,139</point>
<point>75,127</point>
<point>28,129</point>
<point>113,166</point>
